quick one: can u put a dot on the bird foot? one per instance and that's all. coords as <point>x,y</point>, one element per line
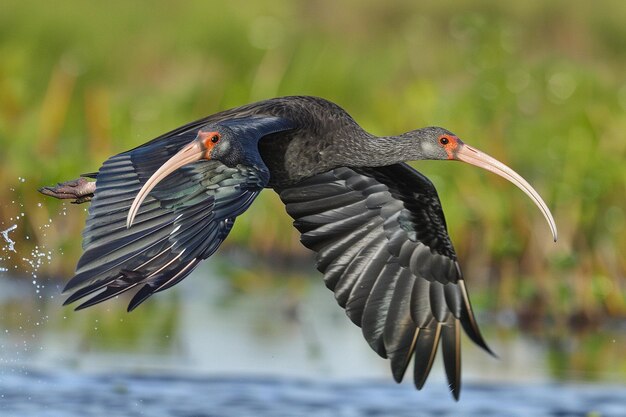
<point>81,190</point>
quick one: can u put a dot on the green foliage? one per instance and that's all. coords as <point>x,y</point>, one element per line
<point>539,85</point>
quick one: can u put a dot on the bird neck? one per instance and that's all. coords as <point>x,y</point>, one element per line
<point>372,151</point>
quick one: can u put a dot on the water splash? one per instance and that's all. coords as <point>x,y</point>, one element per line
<point>22,258</point>
<point>8,247</point>
<point>38,257</point>
<point>32,257</point>
<point>9,241</point>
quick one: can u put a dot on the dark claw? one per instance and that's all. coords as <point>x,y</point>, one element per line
<point>80,190</point>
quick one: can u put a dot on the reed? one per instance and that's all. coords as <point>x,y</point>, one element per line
<point>539,85</point>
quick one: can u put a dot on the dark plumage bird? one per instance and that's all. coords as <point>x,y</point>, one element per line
<point>375,222</point>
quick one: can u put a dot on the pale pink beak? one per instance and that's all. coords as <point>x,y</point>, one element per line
<point>189,153</point>
<point>473,156</point>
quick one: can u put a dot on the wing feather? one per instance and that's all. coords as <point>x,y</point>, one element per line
<point>353,272</point>
<point>425,352</point>
<point>377,306</point>
<point>451,349</point>
<point>400,331</point>
<point>383,247</point>
<point>182,221</point>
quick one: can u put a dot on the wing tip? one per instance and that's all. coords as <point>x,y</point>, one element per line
<point>425,351</point>
<point>451,352</point>
<point>140,296</point>
<point>455,390</point>
<point>90,302</point>
<point>70,285</point>
<point>468,321</point>
<point>79,293</point>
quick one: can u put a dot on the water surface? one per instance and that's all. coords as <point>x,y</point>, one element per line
<point>201,350</point>
<point>72,394</point>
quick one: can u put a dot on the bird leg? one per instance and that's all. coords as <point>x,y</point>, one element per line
<point>81,190</point>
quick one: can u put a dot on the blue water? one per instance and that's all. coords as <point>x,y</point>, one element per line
<point>69,394</point>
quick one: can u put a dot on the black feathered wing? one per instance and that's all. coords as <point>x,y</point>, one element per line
<point>182,221</point>
<point>382,244</point>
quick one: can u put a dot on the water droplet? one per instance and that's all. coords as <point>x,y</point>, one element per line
<point>5,235</point>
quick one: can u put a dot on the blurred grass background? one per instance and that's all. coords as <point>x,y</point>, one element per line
<point>539,85</point>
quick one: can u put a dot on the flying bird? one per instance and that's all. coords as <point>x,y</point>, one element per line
<point>375,222</point>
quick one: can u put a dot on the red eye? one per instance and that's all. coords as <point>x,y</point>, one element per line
<point>209,139</point>
<point>444,140</point>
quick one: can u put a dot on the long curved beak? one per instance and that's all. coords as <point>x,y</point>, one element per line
<point>188,154</point>
<point>473,156</point>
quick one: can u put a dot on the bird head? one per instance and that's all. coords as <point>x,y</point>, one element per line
<point>232,142</point>
<point>439,143</point>
<point>219,143</point>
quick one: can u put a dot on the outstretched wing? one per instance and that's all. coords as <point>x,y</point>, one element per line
<point>381,242</point>
<point>182,221</point>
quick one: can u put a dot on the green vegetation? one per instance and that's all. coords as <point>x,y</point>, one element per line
<point>539,85</point>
